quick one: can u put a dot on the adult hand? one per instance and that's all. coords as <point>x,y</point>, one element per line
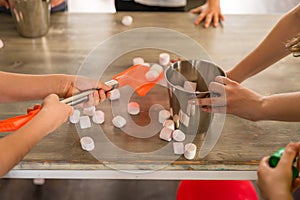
<point>80,83</point>
<point>210,13</point>
<point>4,3</point>
<point>276,183</point>
<point>232,98</point>
<point>53,113</point>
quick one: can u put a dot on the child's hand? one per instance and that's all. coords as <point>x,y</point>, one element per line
<point>80,83</point>
<point>276,183</point>
<point>53,113</point>
<point>4,3</point>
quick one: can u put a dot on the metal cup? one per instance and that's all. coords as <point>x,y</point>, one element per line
<point>32,17</point>
<point>191,119</point>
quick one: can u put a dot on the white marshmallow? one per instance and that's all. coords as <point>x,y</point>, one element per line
<point>184,118</point>
<point>114,94</point>
<point>146,64</point>
<point>39,181</point>
<point>178,148</point>
<point>127,20</point>
<point>138,60</point>
<point>178,135</point>
<point>191,109</point>
<point>119,121</point>
<point>190,151</point>
<point>166,134</point>
<point>89,111</point>
<point>157,67</point>
<point>87,143</point>
<point>74,118</point>
<point>151,75</point>
<point>169,124</point>
<point>85,122</point>
<point>1,44</point>
<point>179,87</point>
<point>163,115</point>
<point>164,59</point>
<point>133,108</point>
<point>190,86</point>
<point>98,117</point>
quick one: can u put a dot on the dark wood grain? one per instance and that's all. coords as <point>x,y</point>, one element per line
<point>70,39</point>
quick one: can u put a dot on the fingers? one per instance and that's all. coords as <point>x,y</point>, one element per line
<point>216,20</point>
<point>103,86</point>
<point>200,18</point>
<point>208,20</point>
<point>263,165</point>
<point>288,156</point>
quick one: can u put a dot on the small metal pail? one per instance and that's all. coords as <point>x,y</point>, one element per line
<point>191,119</point>
<point>32,17</point>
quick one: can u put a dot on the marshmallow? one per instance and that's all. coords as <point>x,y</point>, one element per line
<point>98,117</point>
<point>179,87</point>
<point>87,143</point>
<point>184,118</point>
<point>169,124</point>
<point>114,94</point>
<point>1,44</point>
<point>163,115</point>
<point>157,67</point>
<point>191,109</point>
<point>85,122</point>
<point>164,59</point>
<point>89,111</point>
<point>151,75</point>
<point>189,86</point>
<point>178,148</point>
<point>154,72</point>
<point>119,121</point>
<point>178,135</point>
<point>74,118</point>
<point>146,64</point>
<point>138,60</point>
<point>190,151</point>
<point>127,20</point>
<point>133,108</point>
<point>166,134</point>
<point>39,181</point>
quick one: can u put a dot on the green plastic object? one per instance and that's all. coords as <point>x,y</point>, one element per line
<point>275,157</point>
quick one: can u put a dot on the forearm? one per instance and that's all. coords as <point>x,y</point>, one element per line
<point>271,49</point>
<point>20,87</point>
<point>15,146</point>
<point>281,107</point>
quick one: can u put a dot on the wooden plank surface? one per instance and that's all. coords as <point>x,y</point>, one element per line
<point>69,41</point>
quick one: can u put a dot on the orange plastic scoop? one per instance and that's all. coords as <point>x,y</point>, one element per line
<point>133,76</point>
<point>15,123</point>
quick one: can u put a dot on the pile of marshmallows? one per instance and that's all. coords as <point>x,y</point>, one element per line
<point>168,131</point>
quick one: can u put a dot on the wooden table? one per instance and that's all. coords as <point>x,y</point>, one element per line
<point>70,39</point>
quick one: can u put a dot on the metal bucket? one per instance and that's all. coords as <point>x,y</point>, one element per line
<point>191,119</point>
<point>32,17</point>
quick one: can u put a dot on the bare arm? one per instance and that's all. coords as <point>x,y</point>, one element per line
<point>271,49</point>
<point>245,103</point>
<point>21,87</point>
<point>15,146</point>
